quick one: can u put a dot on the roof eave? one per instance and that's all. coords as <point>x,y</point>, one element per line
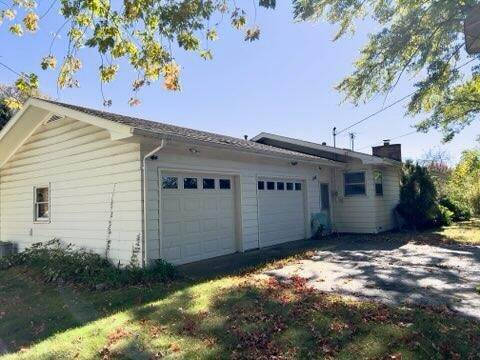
<point>182,139</point>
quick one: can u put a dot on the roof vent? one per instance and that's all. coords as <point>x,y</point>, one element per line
<point>245,137</point>
<point>386,142</point>
<point>324,143</point>
<point>54,118</point>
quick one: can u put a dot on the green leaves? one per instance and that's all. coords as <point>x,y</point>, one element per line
<point>423,40</point>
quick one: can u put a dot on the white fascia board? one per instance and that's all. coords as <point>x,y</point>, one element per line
<point>183,140</point>
<point>364,158</point>
<point>117,130</point>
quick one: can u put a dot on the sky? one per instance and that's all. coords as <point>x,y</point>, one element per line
<point>283,84</point>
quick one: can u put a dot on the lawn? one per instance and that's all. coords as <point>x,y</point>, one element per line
<point>233,316</point>
<point>466,232</point>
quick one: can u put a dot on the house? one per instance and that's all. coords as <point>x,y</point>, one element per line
<point>106,181</point>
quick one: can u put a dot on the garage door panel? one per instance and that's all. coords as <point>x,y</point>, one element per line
<point>281,213</point>
<point>196,223</point>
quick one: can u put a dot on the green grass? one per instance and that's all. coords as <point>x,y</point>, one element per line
<point>242,316</point>
<point>231,317</point>
<point>467,232</point>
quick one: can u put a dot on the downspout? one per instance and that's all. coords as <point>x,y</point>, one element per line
<point>144,170</point>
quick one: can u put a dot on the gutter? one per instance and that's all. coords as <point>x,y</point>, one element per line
<point>182,139</point>
<point>144,200</point>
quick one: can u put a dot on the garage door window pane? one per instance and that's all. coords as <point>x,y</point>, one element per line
<point>261,185</point>
<point>280,186</point>
<point>290,186</point>
<point>169,182</point>
<point>298,186</point>
<point>225,184</point>
<point>270,185</point>
<point>208,184</point>
<point>190,183</point>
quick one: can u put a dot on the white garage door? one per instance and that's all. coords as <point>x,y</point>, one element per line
<point>281,211</point>
<point>198,217</point>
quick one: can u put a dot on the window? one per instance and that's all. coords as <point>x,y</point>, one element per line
<point>289,186</point>
<point>355,184</point>
<point>42,204</point>
<point>225,184</point>
<point>298,186</point>
<point>209,184</point>
<point>378,178</point>
<point>325,196</point>
<point>280,185</point>
<point>169,182</point>
<point>270,185</point>
<point>190,183</point>
<point>261,185</point>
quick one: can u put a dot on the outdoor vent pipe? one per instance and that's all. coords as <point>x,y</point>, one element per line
<point>144,170</point>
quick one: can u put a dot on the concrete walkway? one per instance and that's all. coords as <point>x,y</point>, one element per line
<point>437,275</point>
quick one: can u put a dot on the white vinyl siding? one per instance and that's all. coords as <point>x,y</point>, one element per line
<point>367,213</point>
<point>391,197</point>
<point>84,167</point>
<point>245,169</point>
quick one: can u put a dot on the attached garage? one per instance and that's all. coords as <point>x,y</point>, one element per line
<point>281,211</point>
<point>198,216</point>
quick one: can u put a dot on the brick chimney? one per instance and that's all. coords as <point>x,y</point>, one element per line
<point>388,151</point>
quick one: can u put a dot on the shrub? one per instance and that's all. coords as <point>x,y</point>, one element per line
<point>418,197</point>
<point>444,216</point>
<point>461,212</point>
<point>57,262</point>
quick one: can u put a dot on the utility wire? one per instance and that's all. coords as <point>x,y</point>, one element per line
<point>384,108</point>
<point>391,139</point>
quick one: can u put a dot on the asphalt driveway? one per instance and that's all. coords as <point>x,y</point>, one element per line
<point>394,273</point>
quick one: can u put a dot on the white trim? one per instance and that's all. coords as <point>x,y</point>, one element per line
<point>366,159</point>
<point>38,220</point>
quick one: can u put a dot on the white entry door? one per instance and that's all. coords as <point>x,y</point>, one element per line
<point>198,217</point>
<point>281,209</point>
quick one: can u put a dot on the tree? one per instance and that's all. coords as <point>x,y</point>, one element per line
<point>12,98</point>
<point>421,38</point>
<point>417,37</point>
<point>464,185</point>
<point>418,196</point>
<point>142,32</point>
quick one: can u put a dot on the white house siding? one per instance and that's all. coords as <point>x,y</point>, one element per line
<point>366,213</point>
<point>391,197</point>
<point>354,214</point>
<point>83,167</point>
<point>245,168</point>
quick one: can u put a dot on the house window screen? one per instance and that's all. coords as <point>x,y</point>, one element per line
<point>355,184</point>
<point>42,203</point>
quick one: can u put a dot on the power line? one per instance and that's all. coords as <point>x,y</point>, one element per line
<point>391,139</point>
<point>384,108</point>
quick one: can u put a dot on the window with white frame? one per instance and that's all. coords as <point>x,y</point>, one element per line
<point>41,203</point>
<point>378,177</point>
<point>355,184</point>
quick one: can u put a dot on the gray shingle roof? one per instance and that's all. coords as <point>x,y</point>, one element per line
<point>189,134</point>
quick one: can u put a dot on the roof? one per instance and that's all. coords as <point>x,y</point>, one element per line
<point>329,152</point>
<point>176,132</point>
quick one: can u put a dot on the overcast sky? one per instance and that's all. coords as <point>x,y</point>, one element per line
<point>281,84</point>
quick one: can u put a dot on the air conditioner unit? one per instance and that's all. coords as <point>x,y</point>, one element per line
<point>7,248</point>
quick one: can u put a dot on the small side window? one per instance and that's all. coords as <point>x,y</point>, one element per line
<point>378,177</point>
<point>280,186</point>
<point>270,185</point>
<point>225,184</point>
<point>169,182</point>
<point>190,183</point>
<point>209,184</point>
<point>42,204</point>
<point>298,186</point>
<point>289,186</point>
<point>261,185</point>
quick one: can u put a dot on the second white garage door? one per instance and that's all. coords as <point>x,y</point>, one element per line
<point>281,211</point>
<point>198,217</point>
